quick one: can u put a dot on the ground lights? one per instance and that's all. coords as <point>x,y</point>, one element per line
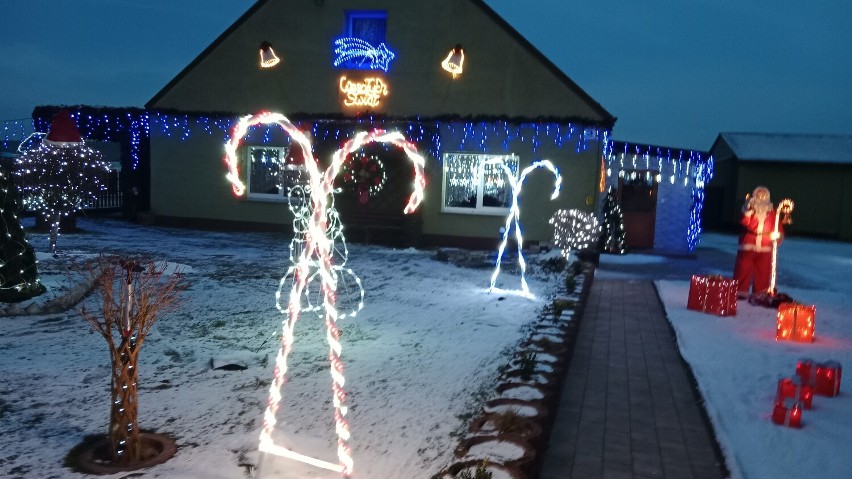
<point>514,218</point>
<point>317,228</point>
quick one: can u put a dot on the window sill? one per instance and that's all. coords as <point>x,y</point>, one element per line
<point>476,211</point>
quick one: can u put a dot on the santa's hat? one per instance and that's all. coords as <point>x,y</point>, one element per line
<point>63,131</point>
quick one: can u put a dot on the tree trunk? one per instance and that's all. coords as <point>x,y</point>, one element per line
<point>123,428</point>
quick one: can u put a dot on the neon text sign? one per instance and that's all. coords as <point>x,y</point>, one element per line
<point>367,92</point>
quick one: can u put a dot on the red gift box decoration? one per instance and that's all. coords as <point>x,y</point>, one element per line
<point>795,322</point>
<point>713,294</point>
<point>805,370</point>
<point>827,378</point>
<point>795,389</point>
<point>788,413</point>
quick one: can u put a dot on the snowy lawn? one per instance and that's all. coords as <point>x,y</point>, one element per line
<point>737,361</point>
<point>420,359</point>
<point>424,352</point>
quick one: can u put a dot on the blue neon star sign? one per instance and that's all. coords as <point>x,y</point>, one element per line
<point>359,54</point>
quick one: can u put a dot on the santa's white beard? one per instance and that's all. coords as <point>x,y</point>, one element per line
<point>762,207</point>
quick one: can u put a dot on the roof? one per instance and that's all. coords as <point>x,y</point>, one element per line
<point>836,149</point>
<point>608,120</point>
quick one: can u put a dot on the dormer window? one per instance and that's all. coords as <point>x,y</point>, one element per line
<point>362,45</point>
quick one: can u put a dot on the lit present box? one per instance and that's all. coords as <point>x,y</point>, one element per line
<point>795,322</point>
<point>795,389</point>
<point>805,370</point>
<point>713,294</point>
<point>787,413</point>
<point>827,378</point>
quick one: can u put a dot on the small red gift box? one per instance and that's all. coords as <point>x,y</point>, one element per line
<point>805,370</point>
<point>788,413</point>
<point>827,378</point>
<point>795,389</point>
<point>795,322</point>
<point>713,294</point>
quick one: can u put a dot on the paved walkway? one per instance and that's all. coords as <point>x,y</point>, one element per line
<point>628,408</point>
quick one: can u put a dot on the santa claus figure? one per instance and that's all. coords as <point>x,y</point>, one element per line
<point>753,266</point>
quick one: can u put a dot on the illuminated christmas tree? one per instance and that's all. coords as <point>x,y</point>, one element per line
<point>18,269</point>
<point>61,175</point>
<point>613,237</point>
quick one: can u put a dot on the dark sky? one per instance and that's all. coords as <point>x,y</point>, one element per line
<point>675,73</point>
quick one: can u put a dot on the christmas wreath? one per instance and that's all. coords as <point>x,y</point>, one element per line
<point>364,175</point>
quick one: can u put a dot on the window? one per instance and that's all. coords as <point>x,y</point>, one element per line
<point>474,187</point>
<point>272,172</point>
<point>367,26</point>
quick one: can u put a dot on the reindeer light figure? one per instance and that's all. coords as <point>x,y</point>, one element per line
<point>320,229</point>
<point>514,217</point>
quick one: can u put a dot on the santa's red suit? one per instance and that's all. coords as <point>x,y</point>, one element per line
<point>754,256</point>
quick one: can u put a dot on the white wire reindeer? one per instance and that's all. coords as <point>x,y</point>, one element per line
<point>317,228</point>
<point>514,217</point>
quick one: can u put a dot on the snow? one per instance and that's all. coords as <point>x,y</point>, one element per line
<point>737,361</point>
<point>423,354</point>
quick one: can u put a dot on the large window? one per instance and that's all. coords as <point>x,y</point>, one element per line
<point>477,183</point>
<point>272,172</point>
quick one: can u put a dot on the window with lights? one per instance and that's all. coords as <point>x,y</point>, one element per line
<point>473,187</point>
<point>272,172</point>
<point>369,28</point>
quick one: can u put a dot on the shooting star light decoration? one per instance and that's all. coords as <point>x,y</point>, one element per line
<point>372,58</point>
<point>317,228</point>
<point>514,218</point>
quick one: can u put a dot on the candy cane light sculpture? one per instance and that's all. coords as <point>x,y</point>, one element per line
<point>514,217</point>
<point>317,228</point>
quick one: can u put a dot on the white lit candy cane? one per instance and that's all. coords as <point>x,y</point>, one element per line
<point>785,207</point>
<point>318,230</point>
<point>515,213</point>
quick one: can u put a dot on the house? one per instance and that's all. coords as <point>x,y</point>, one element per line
<point>815,171</point>
<point>348,66</point>
<point>661,194</point>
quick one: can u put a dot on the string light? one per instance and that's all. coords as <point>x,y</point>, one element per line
<point>454,62</point>
<point>365,175</point>
<point>514,217</point>
<point>132,128</point>
<point>18,265</point>
<point>688,167</point>
<point>59,178</point>
<point>348,49</point>
<point>317,229</point>
<point>574,230</point>
<point>366,92</point>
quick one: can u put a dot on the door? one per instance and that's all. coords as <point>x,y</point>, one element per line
<point>637,195</point>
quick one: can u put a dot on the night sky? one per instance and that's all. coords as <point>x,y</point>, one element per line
<point>675,73</point>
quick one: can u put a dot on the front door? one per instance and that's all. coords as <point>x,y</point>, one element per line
<point>637,195</point>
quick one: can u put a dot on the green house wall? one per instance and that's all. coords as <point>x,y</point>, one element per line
<point>504,78</point>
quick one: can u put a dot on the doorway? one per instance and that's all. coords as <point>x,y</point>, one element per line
<point>637,195</point>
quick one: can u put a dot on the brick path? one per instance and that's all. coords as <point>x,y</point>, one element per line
<point>628,407</point>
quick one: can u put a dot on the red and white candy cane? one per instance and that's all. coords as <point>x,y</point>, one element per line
<point>315,260</point>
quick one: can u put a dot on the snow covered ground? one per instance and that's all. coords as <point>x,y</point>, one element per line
<point>424,352</point>
<point>737,361</point>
